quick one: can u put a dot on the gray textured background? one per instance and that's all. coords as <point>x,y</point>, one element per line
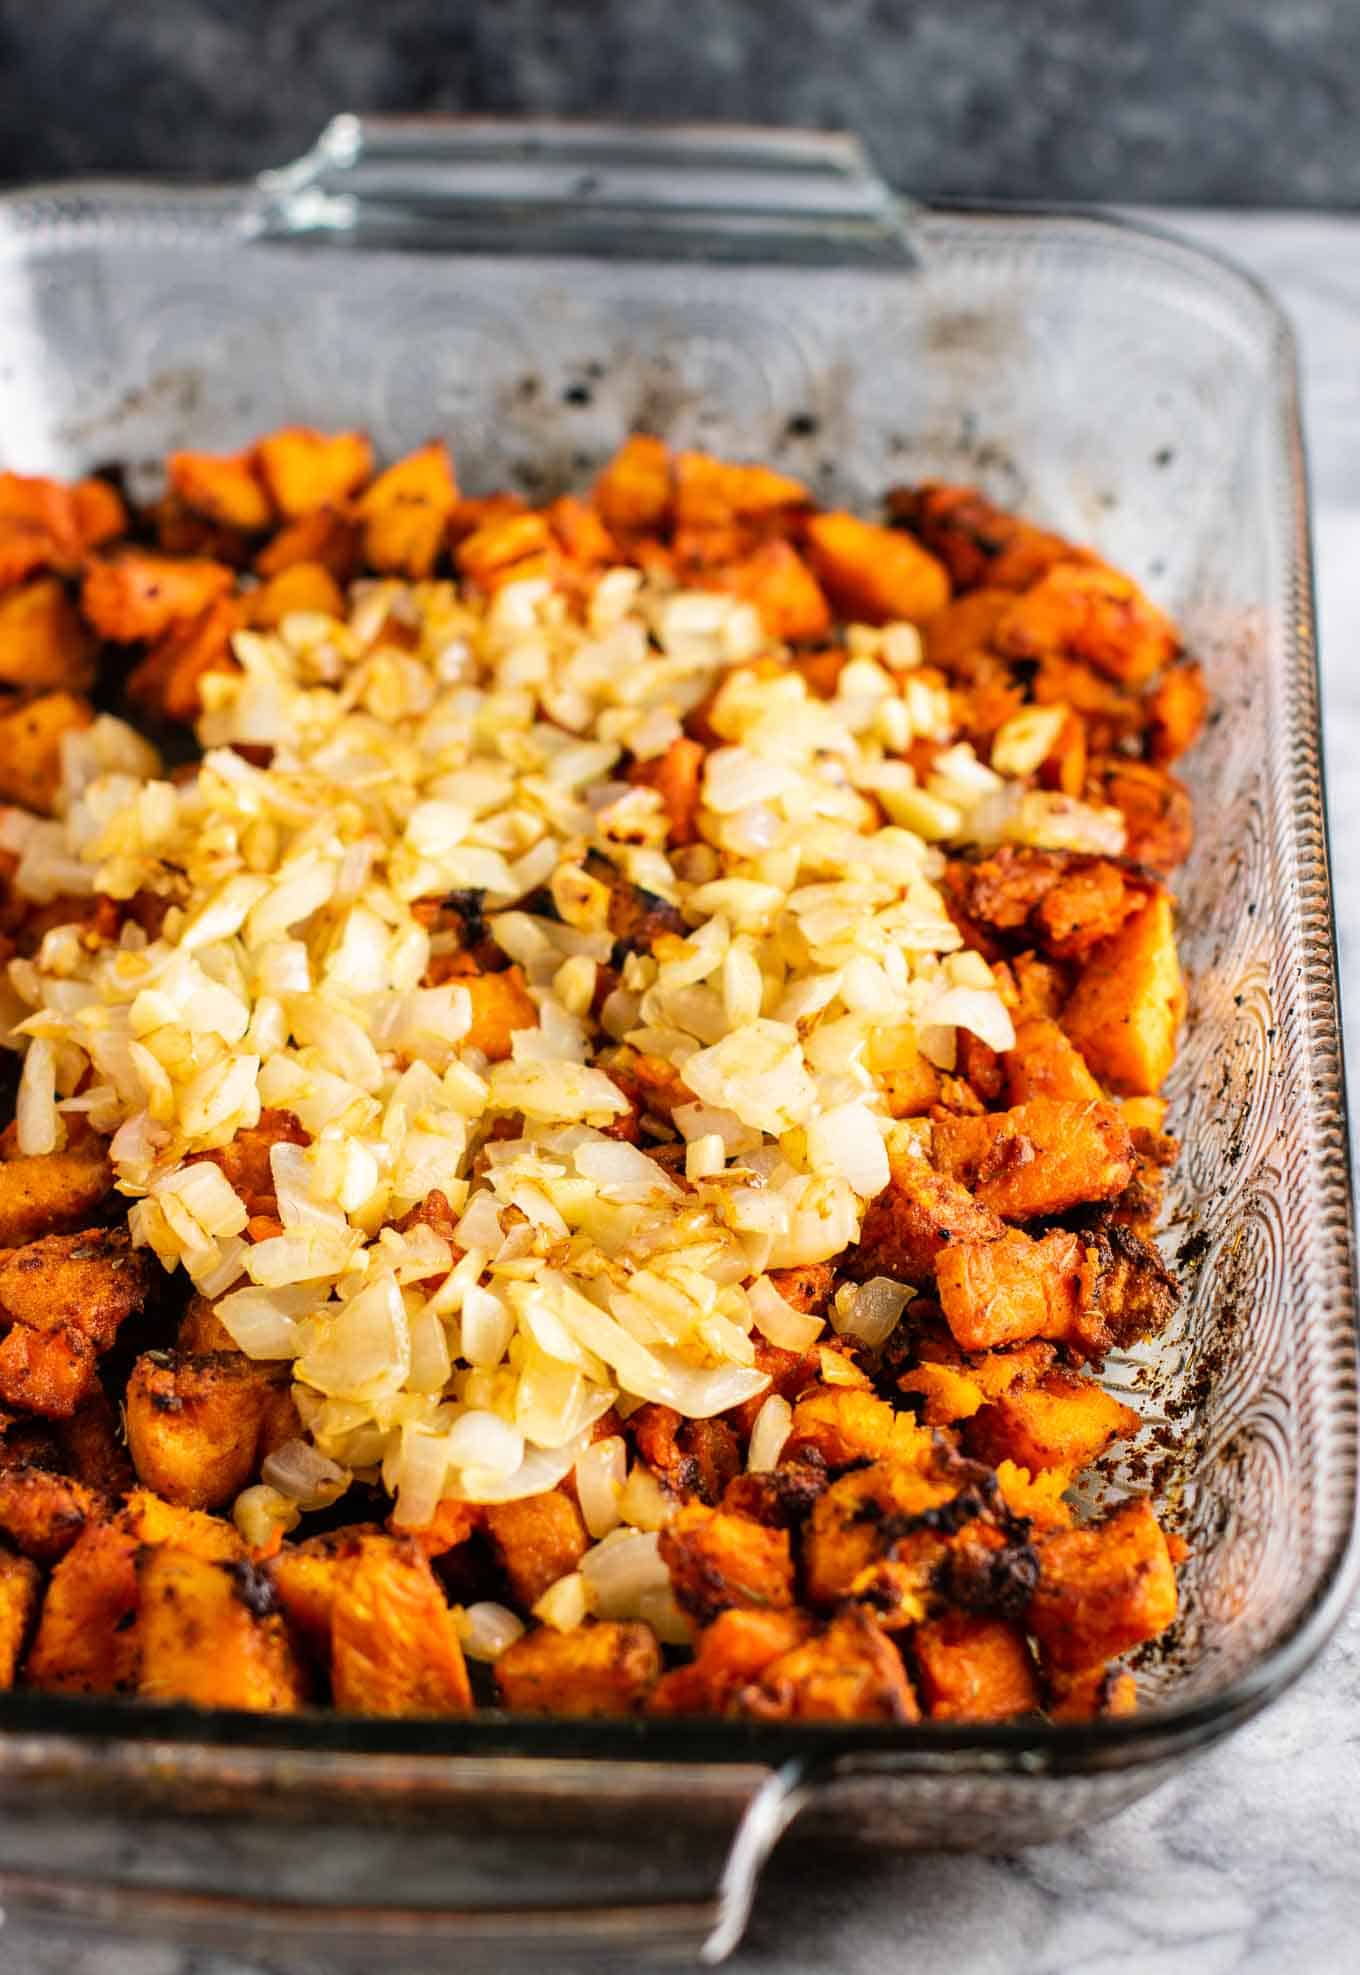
<point>1215,101</point>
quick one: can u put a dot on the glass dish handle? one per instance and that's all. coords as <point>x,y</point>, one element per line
<point>524,185</point>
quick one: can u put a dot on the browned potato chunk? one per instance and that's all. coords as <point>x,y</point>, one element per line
<point>51,1192</point>
<point>729,1653</point>
<point>1103,1590</point>
<point>1159,822</point>
<point>875,575</point>
<point>852,1525</point>
<point>1002,1292</point>
<point>537,1540</point>
<point>633,493</point>
<point>500,1004</point>
<point>842,1425</point>
<point>302,586</point>
<point>151,1520</point>
<point>851,1672</point>
<point>91,1282</point>
<point>979,543</point>
<point>168,683</point>
<point>327,535</point>
<point>1046,1063</point>
<point>47,1372</point>
<point>20,1589</point>
<point>305,470</point>
<point>30,747</point>
<point>204,1638</point>
<point>394,1644</point>
<point>86,1641</point>
<point>716,1560</point>
<point>676,776</point>
<point>223,486</point>
<point>1064,1421</point>
<point>406,510</point>
<point>92,1448</point>
<point>1087,612</point>
<point>775,579</point>
<point>974,1669</point>
<point>1038,1159</point>
<point>609,1667</point>
<point>42,640</point>
<point>43,1514</point>
<point>918,1214</point>
<point>1127,1007</point>
<point>194,1424</point>
<point>136,594</point>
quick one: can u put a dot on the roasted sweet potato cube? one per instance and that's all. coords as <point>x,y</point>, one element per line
<point>26,549</point>
<point>1046,1063</point>
<point>1103,1590</point>
<point>30,747</point>
<point>1002,1292</point>
<point>86,1642</point>
<point>633,493</point>
<point>20,1589</point>
<point>194,1424</point>
<point>859,1519</point>
<point>42,1514</point>
<point>99,512</point>
<point>207,1637</point>
<point>717,1560</point>
<point>1097,1693</point>
<point>153,1520</point>
<point>302,586</point>
<point>448,1528</point>
<point>135,594</point>
<point>1037,1497</point>
<point>1037,1159</point>
<point>956,635</point>
<point>609,1667</point>
<point>223,486</point>
<point>974,1669</point>
<point>843,1425</point>
<point>979,543</point>
<point>677,777</point>
<point>538,1540</point>
<point>168,683</point>
<point>42,640</point>
<point>394,1643</point>
<point>92,1448</point>
<point>327,535</point>
<point>245,1160</point>
<point>1159,821</point>
<point>51,1192</point>
<point>1087,612</point>
<point>405,512</point>
<point>919,1213</point>
<point>583,537</point>
<point>1176,708</point>
<point>1129,1002</point>
<point>505,548</point>
<point>91,1282</point>
<point>787,596</point>
<point>38,502</point>
<point>46,1371</point>
<point>908,1079</point>
<point>728,1654</point>
<point>201,1330</point>
<point>875,575</point>
<point>708,491</point>
<point>947,1391</point>
<point>305,470</point>
<point>306,1577</point>
<point>500,1004</point>
<point>1064,1421</point>
<point>850,1672</point>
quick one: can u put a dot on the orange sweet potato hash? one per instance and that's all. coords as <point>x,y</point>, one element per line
<point>881,1530</point>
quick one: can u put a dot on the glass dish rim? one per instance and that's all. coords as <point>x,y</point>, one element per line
<point>135,1736</point>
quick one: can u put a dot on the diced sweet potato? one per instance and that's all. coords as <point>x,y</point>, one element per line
<point>136,595</point>
<point>1003,1292</point>
<point>978,543</point>
<point>974,1669</point>
<point>406,510</point>
<point>42,640</point>
<point>1159,823</point>
<point>1136,1294</point>
<point>43,1514</point>
<point>194,1424</point>
<point>30,747</point>
<point>1176,709</point>
<point>1046,1063</point>
<point>601,1669</point>
<point>223,486</point>
<point>47,1372</point>
<point>92,1448</point>
<point>850,1672</point>
<point>948,1393</point>
<point>875,575</point>
<point>784,591</point>
<point>633,493</point>
<point>717,1560</point>
<point>305,470</point>
<point>394,1644</point>
<point>327,535</point>
<point>505,547</point>
<point>676,776</point>
<point>501,1003</point>
<point>1037,1159</point>
<point>859,1519</point>
<point>1129,1002</point>
<point>51,1192</point>
<point>1103,1590</point>
<point>152,1520</point>
<point>99,512</point>
<point>908,1079</point>
<point>207,1637</point>
<point>245,1161</point>
<point>1097,1693</point>
<point>538,1540</point>
<point>963,629</point>
<point>168,682</point>
<point>86,1642</point>
<point>201,1330</point>
<point>1037,1497</point>
<point>302,586</point>
<point>918,1214</point>
<point>91,1282</point>
<point>306,1577</point>
<point>728,1654</point>
<point>20,1589</point>
<point>842,1425</point>
<point>582,536</point>
<point>1064,1421</point>
<point>448,1528</point>
<point>1088,612</point>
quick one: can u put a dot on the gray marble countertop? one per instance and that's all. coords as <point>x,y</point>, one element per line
<point>1250,1861</point>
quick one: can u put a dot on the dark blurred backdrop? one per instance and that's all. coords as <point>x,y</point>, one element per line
<point>1239,101</point>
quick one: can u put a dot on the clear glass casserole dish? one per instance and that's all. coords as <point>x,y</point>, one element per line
<point>533,292</point>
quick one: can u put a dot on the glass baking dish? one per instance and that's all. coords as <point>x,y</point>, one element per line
<point>534,291</point>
